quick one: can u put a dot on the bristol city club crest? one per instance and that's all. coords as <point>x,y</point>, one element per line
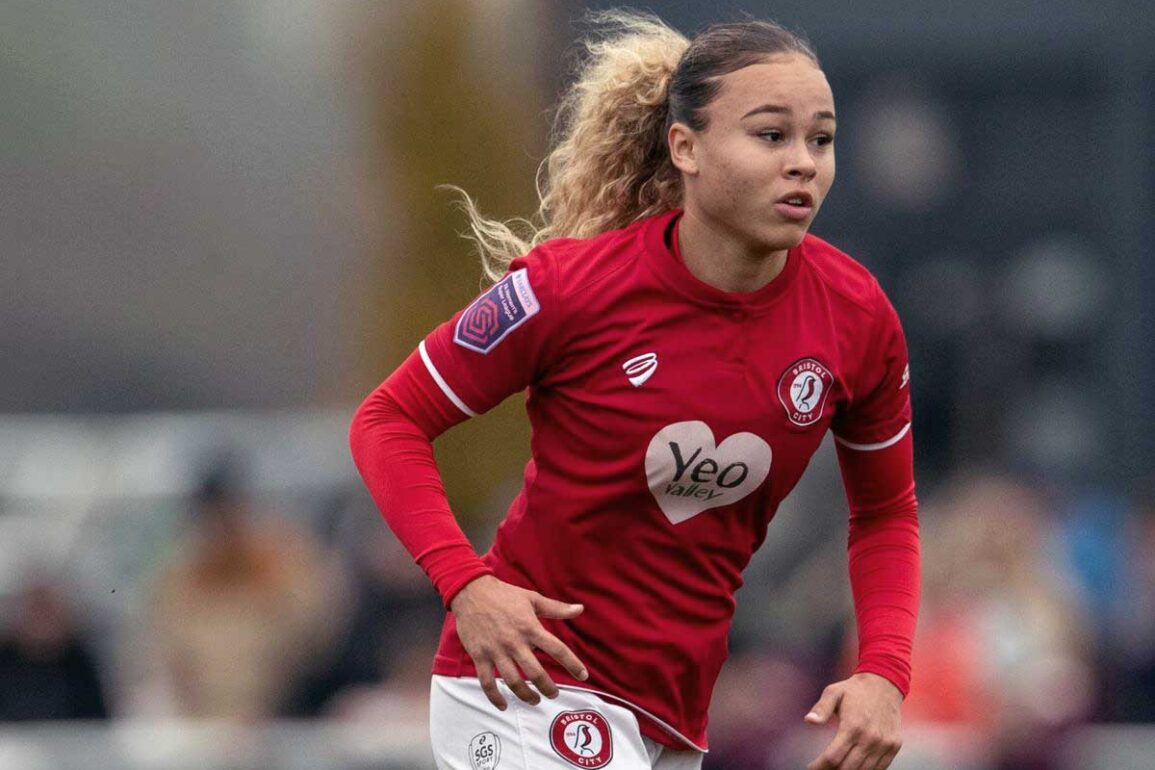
<point>582,738</point>
<point>803,389</point>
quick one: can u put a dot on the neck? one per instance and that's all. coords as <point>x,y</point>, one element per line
<point>715,258</point>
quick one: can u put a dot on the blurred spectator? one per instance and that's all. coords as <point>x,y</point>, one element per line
<point>1001,646</point>
<point>395,699</point>
<point>244,609</point>
<point>47,670</point>
<point>395,617</point>
<point>759,700</point>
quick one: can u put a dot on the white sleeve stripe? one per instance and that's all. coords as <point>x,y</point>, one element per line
<point>880,445</point>
<point>441,383</point>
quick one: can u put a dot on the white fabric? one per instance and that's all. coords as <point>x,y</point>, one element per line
<point>460,716</point>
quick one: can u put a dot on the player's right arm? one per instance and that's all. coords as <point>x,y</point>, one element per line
<point>495,347</point>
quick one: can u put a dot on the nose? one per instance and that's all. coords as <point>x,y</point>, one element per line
<point>800,163</point>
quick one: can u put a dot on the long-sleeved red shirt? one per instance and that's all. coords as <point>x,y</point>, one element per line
<point>669,420</point>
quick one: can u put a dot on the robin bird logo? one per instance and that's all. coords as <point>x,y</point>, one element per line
<point>583,740</point>
<point>809,385</point>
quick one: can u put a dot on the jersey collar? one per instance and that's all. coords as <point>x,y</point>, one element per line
<point>660,243</point>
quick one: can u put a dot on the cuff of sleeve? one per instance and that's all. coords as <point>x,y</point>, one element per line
<point>896,675</point>
<point>451,569</point>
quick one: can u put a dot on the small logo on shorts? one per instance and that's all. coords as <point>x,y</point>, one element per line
<point>582,738</point>
<point>803,389</point>
<point>484,751</point>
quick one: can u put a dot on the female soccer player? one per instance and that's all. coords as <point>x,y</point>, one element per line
<point>686,345</point>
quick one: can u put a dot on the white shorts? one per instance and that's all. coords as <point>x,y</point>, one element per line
<point>576,729</point>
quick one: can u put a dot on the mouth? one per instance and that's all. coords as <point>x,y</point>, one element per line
<point>796,205</point>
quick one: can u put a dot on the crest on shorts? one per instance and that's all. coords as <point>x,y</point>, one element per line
<point>803,389</point>
<point>484,751</point>
<point>582,738</point>
<point>507,305</point>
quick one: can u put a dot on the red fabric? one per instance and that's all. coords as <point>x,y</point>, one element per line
<point>391,447</point>
<point>650,486</point>
<point>884,556</point>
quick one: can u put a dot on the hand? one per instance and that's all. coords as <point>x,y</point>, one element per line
<point>498,626</point>
<point>868,708</point>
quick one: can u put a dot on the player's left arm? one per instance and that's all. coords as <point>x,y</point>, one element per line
<point>876,456</point>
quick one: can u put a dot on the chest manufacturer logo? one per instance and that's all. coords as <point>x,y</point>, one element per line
<point>687,473</point>
<point>582,738</point>
<point>803,389</point>
<point>640,368</point>
<point>485,751</point>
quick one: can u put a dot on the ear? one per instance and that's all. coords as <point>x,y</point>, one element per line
<point>683,144</point>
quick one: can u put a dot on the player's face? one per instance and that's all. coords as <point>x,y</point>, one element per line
<point>761,168</point>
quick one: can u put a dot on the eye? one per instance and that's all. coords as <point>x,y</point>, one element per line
<point>824,139</point>
<point>772,134</point>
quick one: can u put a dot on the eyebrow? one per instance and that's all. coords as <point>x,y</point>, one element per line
<point>779,109</point>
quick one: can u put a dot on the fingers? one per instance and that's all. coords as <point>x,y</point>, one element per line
<point>528,664</point>
<point>534,672</point>
<point>514,681</point>
<point>826,706</point>
<point>552,608</point>
<point>516,663</point>
<point>835,753</point>
<point>499,625</point>
<point>489,683</point>
<point>868,727</point>
<point>888,756</point>
<point>855,750</point>
<point>859,758</point>
<point>556,649</point>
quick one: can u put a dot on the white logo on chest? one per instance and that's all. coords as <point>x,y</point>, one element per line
<point>639,368</point>
<point>688,474</point>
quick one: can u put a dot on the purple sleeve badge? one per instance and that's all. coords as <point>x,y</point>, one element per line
<point>507,305</point>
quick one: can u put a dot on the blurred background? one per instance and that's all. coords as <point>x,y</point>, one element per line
<point>220,230</point>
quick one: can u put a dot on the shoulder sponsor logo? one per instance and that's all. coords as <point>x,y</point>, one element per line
<point>688,473</point>
<point>640,368</point>
<point>507,305</point>
<point>803,389</point>
<point>582,738</point>
<point>485,751</point>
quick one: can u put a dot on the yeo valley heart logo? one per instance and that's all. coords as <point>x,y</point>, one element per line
<point>687,473</point>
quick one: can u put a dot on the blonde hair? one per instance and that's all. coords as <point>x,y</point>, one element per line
<point>608,165</point>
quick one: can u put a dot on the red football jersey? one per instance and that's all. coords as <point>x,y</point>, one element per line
<point>669,420</point>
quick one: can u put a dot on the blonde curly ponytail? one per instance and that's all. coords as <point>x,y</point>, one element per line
<point>609,164</point>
